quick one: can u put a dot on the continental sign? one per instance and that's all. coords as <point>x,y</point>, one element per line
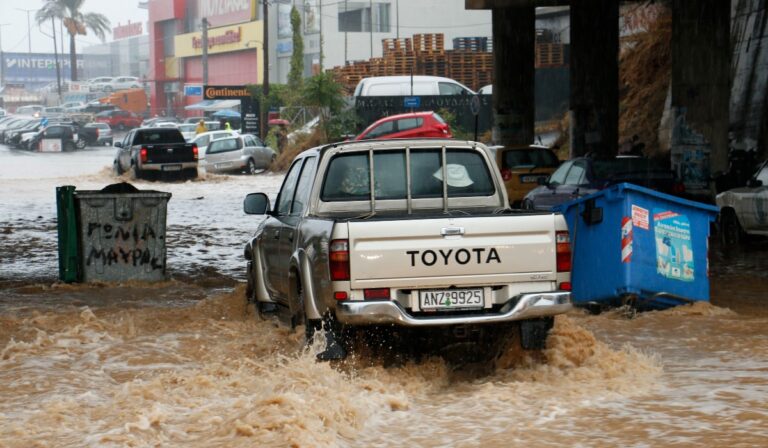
<point>244,36</point>
<point>225,92</point>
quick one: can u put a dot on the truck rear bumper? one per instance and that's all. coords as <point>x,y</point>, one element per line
<point>169,166</point>
<point>524,306</point>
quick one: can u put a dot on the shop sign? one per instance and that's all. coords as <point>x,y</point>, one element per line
<point>123,31</point>
<point>229,37</point>
<point>220,40</point>
<point>226,92</point>
<point>227,12</point>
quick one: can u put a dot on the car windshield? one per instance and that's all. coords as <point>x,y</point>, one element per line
<point>529,158</point>
<point>158,136</point>
<point>623,166</point>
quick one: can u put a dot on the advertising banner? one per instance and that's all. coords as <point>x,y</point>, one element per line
<point>227,12</point>
<point>284,20</point>
<point>32,69</point>
<point>311,17</point>
<point>221,40</point>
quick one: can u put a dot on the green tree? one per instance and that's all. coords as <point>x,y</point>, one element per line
<point>296,74</point>
<point>324,92</point>
<point>75,20</point>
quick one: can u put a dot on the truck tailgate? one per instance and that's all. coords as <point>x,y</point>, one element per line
<point>170,153</point>
<point>452,251</point>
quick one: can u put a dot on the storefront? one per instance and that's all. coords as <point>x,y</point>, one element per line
<point>234,49</point>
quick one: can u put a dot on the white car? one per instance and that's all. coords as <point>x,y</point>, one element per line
<point>744,210</point>
<point>123,82</point>
<point>203,139</point>
<point>187,130</point>
<point>73,106</point>
<point>98,84</point>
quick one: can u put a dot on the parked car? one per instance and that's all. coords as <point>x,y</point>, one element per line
<point>187,130</point>
<point>744,210</point>
<point>523,167</point>
<point>242,153</point>
<point>585,175</point>
<point>15,125</point>
<point>53,112</point>
<point>408,125</point>
<point>73,106</point>
<point>13,137</point>
<point>118,119</point>
<point>442,258</point>
<point>103,133</point>
<point>122,82</point>
<point>33,110</point>
<point>149,151</point>
<point>99,84</point>
<point>404,85</point>
<point>66,133</point>
<point>2,112</point>
<point>203,139</point>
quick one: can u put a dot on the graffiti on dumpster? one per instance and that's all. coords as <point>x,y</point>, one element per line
<point>130,245</point>
<point>674,250</point>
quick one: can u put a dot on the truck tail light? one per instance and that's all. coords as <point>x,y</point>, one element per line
<point>339,260</point>
<point>563,250</point>
<point>195,150</point>
<point>506,174</point>
<point>376,293</point>
<point>143,155</point>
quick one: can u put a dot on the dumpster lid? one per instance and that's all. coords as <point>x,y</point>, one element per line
<point>618,189</point>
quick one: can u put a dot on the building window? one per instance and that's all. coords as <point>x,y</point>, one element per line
<point>169,32</point>
<point>357,17</point>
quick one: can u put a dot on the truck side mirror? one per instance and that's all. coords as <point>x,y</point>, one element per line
<point>118,145</point>
<point>754,183</point>
<point>256,204</point>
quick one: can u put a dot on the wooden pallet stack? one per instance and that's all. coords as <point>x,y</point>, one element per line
<point>550,55</point>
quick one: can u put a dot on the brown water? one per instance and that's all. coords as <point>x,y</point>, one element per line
<point>186,362</point>
<point>177,364</point>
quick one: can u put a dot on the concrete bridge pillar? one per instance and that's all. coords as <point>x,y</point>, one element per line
<point>514,37</point>
<point>697,129</point>
<point>594,62</point>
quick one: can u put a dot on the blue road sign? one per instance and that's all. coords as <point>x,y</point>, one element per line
<point>412,101</point>
<point>193,90</point>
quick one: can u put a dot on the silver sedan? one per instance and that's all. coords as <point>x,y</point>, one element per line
<point>241,153</point>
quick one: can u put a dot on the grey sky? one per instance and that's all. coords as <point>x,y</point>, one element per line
<point>14,34</point>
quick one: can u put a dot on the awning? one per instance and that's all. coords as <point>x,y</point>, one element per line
<point>226,113</point>
<point>212,105</point>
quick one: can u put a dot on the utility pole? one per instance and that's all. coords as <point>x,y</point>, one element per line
<point>205,52</point>
<point>345,34</point>
<point>2,58</point>
<point>320,12</point>
<point>29,28</point>
<point>56,57</point>
<point>264,114</point>
<point>370,23</point>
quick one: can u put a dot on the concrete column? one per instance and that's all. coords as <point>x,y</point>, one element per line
<point>594,113</point>
<point>514,35</point>
<point>700,90</point>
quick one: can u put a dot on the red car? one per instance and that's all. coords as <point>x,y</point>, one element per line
<point>119,119</point>
<point>410,125</point>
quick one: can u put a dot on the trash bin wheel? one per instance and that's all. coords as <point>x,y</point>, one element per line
<point>731,232</point>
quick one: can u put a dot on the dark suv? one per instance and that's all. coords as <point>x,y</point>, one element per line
<point>585,175</point>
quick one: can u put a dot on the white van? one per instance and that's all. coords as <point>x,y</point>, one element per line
<point>401,86</point>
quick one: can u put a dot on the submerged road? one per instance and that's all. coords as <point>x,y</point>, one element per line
<point>187,363</point>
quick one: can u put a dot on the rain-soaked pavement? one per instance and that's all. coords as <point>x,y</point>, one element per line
<point>187,363</point>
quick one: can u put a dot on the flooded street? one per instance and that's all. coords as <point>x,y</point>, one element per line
<point>188,363</point>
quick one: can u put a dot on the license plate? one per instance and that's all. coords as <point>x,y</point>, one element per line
<point>222,165</point>
<point>171,167</point>
<point>530,179</point>
<point>450,299</point>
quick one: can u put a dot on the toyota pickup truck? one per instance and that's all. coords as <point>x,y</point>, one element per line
<point>433,245</point>
<point>156,151</point>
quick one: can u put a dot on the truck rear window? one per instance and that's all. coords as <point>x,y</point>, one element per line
<point>158,136</point>
<point>348,175</point>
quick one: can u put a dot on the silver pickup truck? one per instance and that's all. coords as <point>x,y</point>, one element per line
<point>432,245</point>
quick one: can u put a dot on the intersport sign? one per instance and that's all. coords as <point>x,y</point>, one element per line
<point>227,12</point>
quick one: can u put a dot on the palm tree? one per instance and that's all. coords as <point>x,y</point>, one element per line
<point>76,22</point>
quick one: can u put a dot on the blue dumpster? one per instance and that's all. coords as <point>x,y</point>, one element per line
<point>634,245</point>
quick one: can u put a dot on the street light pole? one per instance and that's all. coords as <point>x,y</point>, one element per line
<point>29,28</point>
<point>264,115</point>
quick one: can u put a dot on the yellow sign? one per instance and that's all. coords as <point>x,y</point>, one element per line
<point>224,39</point>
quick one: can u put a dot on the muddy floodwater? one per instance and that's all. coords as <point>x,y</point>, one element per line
<point>187,362</point>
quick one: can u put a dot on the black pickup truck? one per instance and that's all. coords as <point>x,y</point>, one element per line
<point>156,151</point>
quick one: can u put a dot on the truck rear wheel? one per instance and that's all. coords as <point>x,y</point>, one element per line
<point>731,232</point>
